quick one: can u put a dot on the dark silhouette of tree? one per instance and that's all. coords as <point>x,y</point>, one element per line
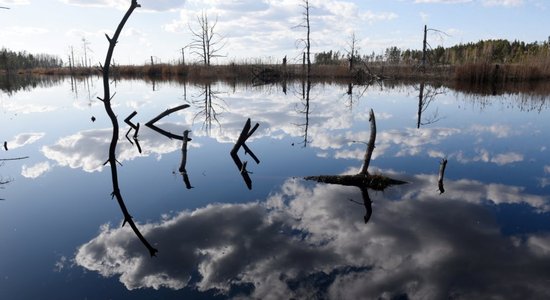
<point>306,41</point>
<point>363,180</point>
<point>206,43</point>
<point>112,161</point>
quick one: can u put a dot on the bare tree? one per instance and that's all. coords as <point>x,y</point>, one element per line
<point>425,44</point>
<point>206,43</point>
<point>352,50</point>
<point>306,41</point>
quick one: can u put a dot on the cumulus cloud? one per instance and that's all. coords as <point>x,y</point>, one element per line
<point>87,150</point>
<point>36,170</point>
<point>483,155</point>
<point>151,5</point>
<point>24,139</point>
<point>418,243</point>
<point>498,130</point>
<point>14,2</point>
<point>442,1</point>
<point>503,2</point>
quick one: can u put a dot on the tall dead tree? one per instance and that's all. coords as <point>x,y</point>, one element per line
<point>425,45</point>
<point>306,41</point>
<point>112,161</point>
<point>206,43</point>
<point>352,50</point>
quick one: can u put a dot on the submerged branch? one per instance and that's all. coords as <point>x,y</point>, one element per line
<point>151,123</point>
<point>442,166</point>
<point>246,133</point>
<point>363,180</point>
<point>370,145</point>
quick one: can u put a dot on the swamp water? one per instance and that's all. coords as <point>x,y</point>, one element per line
<point>487,235</point>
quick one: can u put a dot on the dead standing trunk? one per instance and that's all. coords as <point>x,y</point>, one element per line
<point>363,180</point>
<point>114,139</point>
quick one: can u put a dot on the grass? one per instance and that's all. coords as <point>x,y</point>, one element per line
<point>471,73</point>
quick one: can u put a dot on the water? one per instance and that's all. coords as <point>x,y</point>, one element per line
<point>486,236</point>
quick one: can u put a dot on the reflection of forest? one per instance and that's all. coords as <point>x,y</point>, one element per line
<point>13,83</point>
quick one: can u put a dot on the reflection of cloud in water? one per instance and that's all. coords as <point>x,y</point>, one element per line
<point>24,139</point>
<point>483,155</point>
<point>88,149</point>
<point>419,243</point>
<point>500,131</point>
<point>36,170</point>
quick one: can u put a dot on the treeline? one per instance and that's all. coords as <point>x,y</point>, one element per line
<point>11,60</point>
<point>485,51</point>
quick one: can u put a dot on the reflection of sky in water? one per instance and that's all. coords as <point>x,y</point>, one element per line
<point>487,235</point>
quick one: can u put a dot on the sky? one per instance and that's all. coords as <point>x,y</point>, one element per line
<point>261,29</point>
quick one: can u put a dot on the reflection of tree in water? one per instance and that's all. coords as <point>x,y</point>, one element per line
<point>85,83</point>
<point>426,96</point>
<point>13,83</point>
<point>184,138</point>
<point>209,105</point>
<point>112,161</point>
<point>5,181</point>
<point>363,180</point>
<point>306,89</point>
<point>352,95</point>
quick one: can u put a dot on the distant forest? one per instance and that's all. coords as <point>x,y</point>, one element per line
<point>11,60</point>
<point>482,52</point>
<point>487,51</point>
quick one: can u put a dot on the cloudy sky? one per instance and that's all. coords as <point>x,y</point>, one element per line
<point>261,28</point>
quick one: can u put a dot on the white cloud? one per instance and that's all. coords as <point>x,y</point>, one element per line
<point>507,158</point>
<point>146,5</point>
<point>24,139</point>
<point>500,131</point>
<point>305,235</point>
<point>442,1</point>
<point>508,3</point>
<point>483,155</point>
<point>9,3</point>
<point>35,171</point>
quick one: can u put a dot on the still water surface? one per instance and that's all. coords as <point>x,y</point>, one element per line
<point>487,235</point>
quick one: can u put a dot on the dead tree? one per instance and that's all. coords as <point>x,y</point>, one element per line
<point>107,97</point>
<point>206,43</point>
<point>183,163</point>
<point>426,95</point>
<point>134,127</point>
<point>246,133</point>
<point>442,166</point>
<point>352,52</point>
<point>185,138</point>
<point>426,45</point>
<point>363,180</point>
<point>306,89</point>
<point>210,105</point>
<point>306,41</point>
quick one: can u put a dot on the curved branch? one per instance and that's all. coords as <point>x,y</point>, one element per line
<point>114,139</point>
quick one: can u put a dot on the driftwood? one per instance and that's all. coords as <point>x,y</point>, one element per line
<point>363,180</point>
<point>246,133</point>
<point>15,158</point>
<point>151,123</point>
<point>128,121</point>
<point>442,166</point>
<point>112,147</point>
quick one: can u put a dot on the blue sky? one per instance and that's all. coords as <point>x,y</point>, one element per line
<point>262,29</point>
